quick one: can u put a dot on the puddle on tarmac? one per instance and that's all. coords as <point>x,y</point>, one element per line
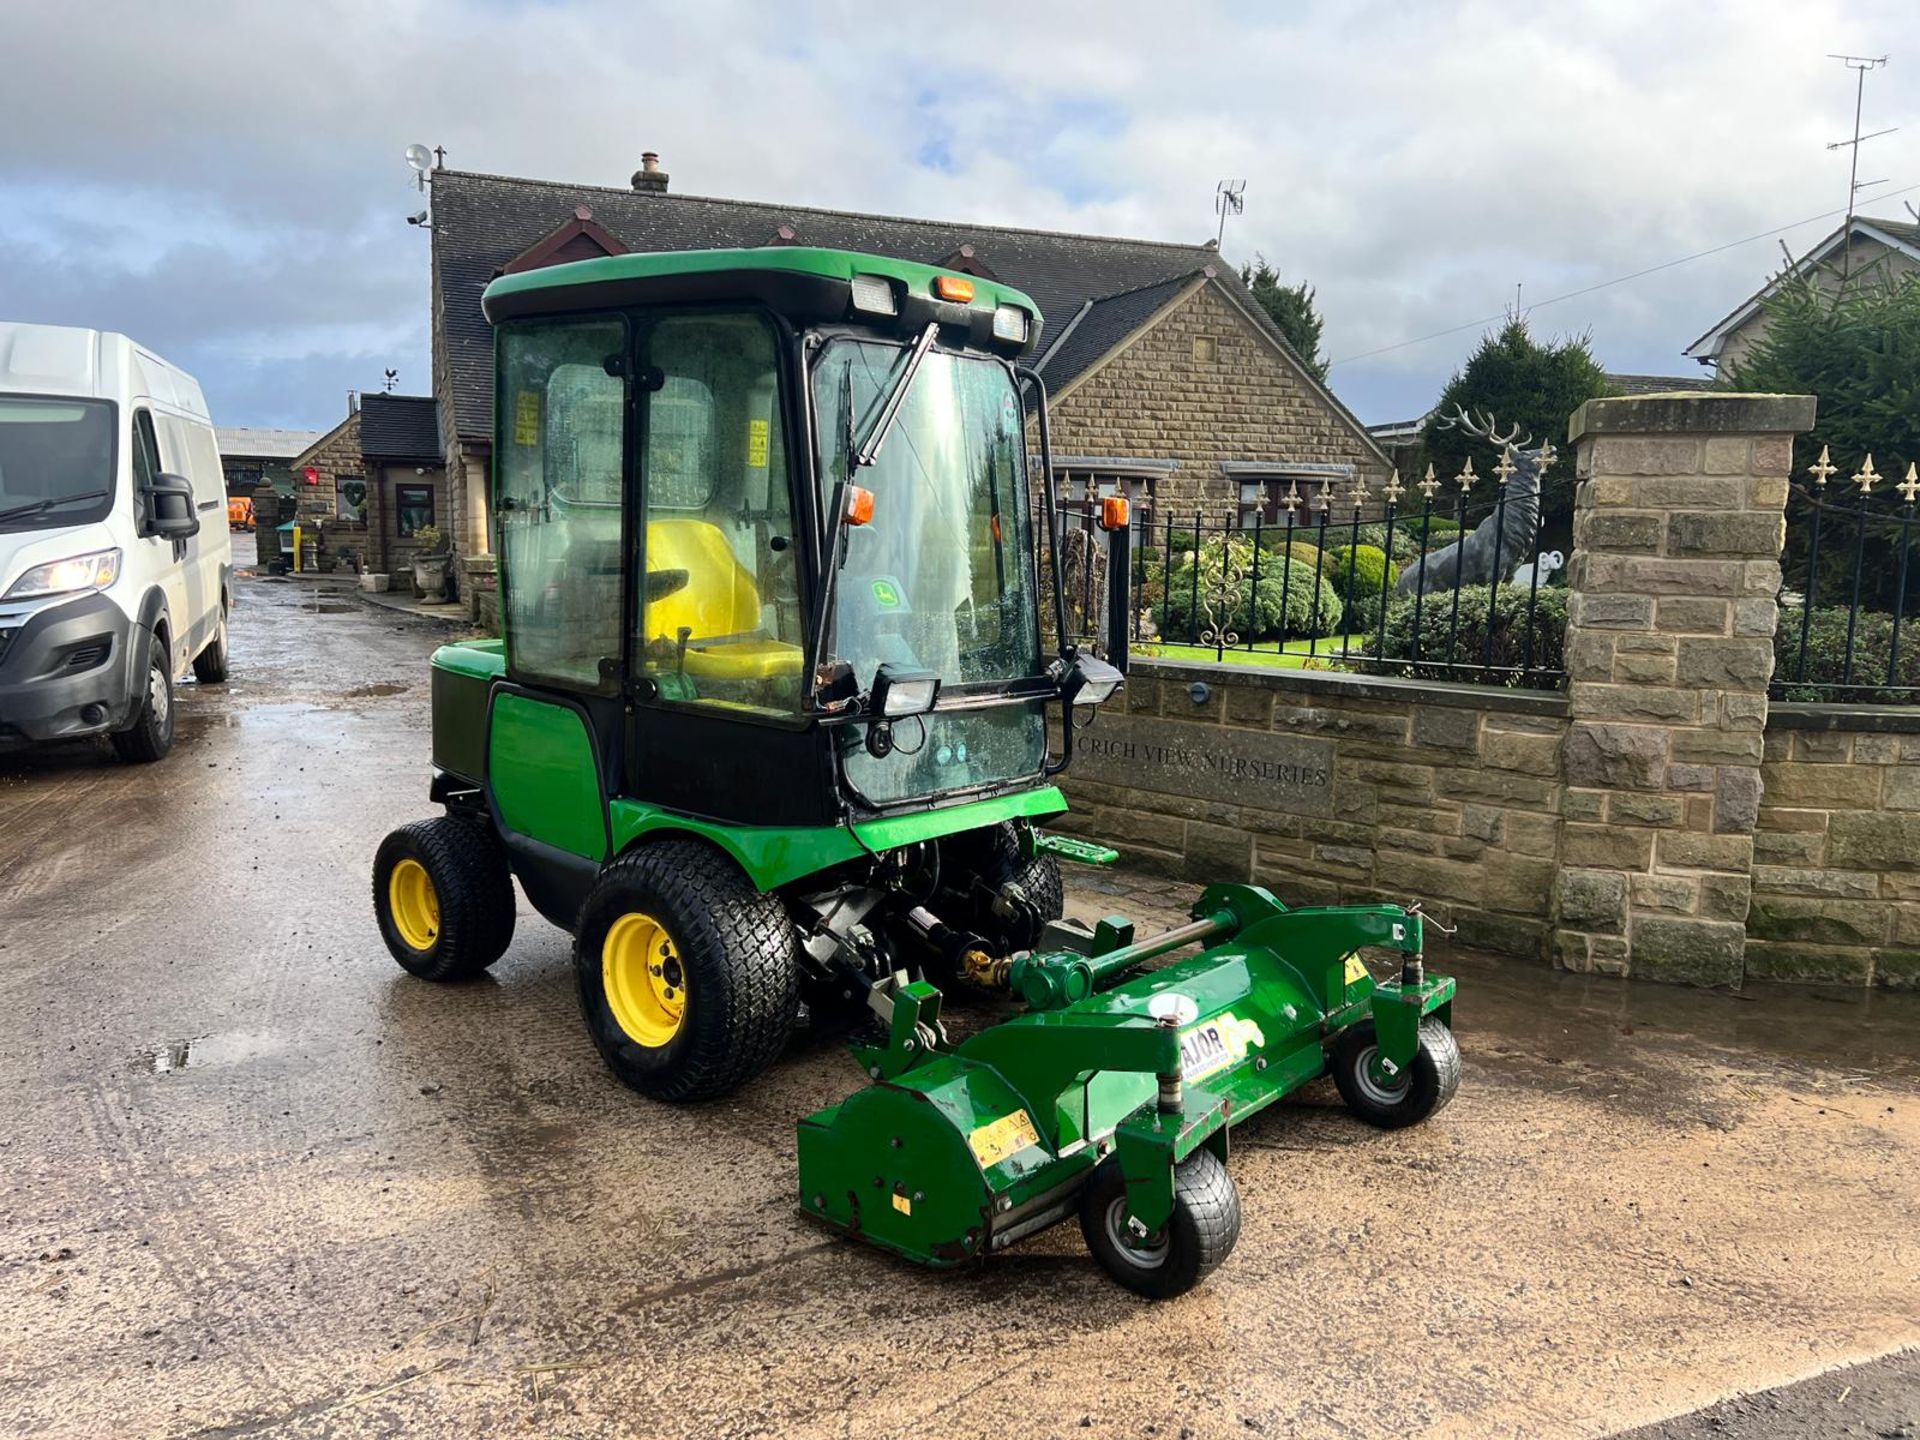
<point>198,1051</point>
<point>328,609</point>
<point>384,687</point>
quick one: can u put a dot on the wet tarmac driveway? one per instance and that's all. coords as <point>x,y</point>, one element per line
<point>256,1181</point>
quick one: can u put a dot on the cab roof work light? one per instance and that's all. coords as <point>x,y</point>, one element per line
<point>874,295</point>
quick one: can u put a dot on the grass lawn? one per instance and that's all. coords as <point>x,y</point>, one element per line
<point>1293,657</point>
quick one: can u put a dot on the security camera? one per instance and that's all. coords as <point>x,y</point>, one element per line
<point>419,217</point>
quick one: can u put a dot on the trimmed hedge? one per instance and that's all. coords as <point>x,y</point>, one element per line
<point>1827,656</point>
<point>1469,640</point>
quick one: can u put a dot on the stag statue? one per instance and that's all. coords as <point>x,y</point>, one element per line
<point>1507,536</point>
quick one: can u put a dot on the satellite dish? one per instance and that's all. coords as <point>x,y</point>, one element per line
<point>420,158</point>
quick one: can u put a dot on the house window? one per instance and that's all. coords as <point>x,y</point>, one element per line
<point>352,497</point>
<point>414,506</point>
<point>1080,490</point>
<point>1286,498</point>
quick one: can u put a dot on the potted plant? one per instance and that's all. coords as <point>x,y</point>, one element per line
<point>430,563</point>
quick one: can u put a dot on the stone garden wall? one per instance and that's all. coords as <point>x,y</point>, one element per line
<point>1329,787</point>
<point>1836,872</point>
<point>1658,818</point>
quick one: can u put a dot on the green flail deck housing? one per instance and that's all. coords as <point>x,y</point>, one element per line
<point>957,1151</point>
<point>767,733</point>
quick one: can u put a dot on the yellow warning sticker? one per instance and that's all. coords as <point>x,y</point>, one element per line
<point>526,418</point>
<point>1356,970</point>
<point>998,1139</point>
<point>757,444</point>
<point>902,1203</point>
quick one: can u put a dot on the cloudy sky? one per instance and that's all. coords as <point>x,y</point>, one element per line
<point>225,182</point>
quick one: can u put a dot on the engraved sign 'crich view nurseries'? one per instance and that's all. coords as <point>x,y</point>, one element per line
<point>1277,772</point>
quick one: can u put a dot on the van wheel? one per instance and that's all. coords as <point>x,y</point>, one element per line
<point>151,734</point>
<point>210,665</point>
<point>689,978</point>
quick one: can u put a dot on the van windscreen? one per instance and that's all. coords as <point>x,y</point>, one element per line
<point>56,461</point>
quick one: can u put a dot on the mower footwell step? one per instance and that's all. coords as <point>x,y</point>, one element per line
<point>1134,1075</point>
<point>1081,852</point>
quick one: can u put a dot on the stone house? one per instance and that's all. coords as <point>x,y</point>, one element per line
<point>370,484</point>
<point>1167,380</point>
<point>1863,247</point>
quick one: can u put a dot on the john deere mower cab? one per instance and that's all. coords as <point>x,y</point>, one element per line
<point>767,731</point>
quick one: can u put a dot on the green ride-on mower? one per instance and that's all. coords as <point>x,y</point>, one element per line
<point>767,734</point>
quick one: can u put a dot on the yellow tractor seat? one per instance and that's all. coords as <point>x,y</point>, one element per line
<point>718,606</point>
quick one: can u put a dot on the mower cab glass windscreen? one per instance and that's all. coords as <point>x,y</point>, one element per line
<point>718,617</point>
<point>562,401</point>
<point>940,577</point>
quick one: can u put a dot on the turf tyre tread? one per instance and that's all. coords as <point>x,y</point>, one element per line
<point>739,947</point>
<point>473,884</point>
<point>1433,1077</point>
<point>1201,1233</point>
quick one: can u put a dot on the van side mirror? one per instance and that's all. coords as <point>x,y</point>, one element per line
<point>170,509</point>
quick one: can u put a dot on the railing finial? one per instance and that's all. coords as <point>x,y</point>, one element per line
<point>1866,477</point>
<point>1910,487</point>
<point>1822,469</point>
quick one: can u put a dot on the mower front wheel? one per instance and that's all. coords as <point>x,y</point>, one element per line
<point>443,896</point>
<point>1395,1101</point>
<point>688,976</point>
<point>1200,1233</point>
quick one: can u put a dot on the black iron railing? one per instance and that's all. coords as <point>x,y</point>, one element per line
<point>1367,583</point>
<point>1846,631</point>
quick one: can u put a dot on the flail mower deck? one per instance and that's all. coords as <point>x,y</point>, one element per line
<point>1115,1093</point>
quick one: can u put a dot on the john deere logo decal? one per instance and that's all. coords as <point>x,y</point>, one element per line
<point>885,595</point>
<point>1217,1043</point>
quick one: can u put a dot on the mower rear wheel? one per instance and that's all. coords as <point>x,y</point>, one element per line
<point>1200,1233</point>
<point>688,976</point>
<point>443,896</point>
<point>1395,1101</point>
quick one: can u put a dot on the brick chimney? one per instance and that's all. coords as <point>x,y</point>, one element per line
<point>650,179</point>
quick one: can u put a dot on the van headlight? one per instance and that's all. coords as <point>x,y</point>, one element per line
<point>77,575</point>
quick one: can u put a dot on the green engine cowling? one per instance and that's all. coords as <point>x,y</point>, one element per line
<point>953,1153</point>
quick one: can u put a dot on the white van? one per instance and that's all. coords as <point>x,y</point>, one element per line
<point>116,569</point>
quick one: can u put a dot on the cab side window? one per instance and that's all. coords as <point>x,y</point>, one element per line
<point>561,428</point>
<point>146,449</point>
<point>718,611</point>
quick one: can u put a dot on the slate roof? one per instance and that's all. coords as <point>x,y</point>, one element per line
<point>1099,325</point>
<point>400,427</point>
<point>481,222</point>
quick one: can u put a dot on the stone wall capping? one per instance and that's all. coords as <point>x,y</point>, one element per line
<point>1872,719</point>
<point>1701,412</point>
<point>1390,689</point>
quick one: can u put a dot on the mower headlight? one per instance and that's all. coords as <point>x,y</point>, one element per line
<point>874,294</point>
<point>1010,322</point>
<point>898,691</point>
<point>79,575</point>
<point>1091,681</point>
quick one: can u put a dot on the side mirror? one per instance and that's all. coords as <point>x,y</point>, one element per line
<point>170,509</point>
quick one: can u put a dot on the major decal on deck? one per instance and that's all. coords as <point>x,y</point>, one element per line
<point>1217,1043</point>
<point>997,1139</point>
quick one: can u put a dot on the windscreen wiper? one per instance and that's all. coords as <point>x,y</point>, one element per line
<point>896,397</point>
<point>858,458</point>
<point>20,512</point>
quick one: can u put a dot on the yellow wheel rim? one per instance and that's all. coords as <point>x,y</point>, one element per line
<point>414,904</point>
<point>645,981</point>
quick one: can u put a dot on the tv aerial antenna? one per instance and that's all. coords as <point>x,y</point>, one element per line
<point>1860,65</point>
<point>1229,198</point>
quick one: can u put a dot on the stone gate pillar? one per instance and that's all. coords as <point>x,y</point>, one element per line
<point>1679,518</point>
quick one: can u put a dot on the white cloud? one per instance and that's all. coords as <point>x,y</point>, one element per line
<point>1414,162</point>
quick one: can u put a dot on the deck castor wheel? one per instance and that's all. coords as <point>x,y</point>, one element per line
<point>1172,1260</point>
